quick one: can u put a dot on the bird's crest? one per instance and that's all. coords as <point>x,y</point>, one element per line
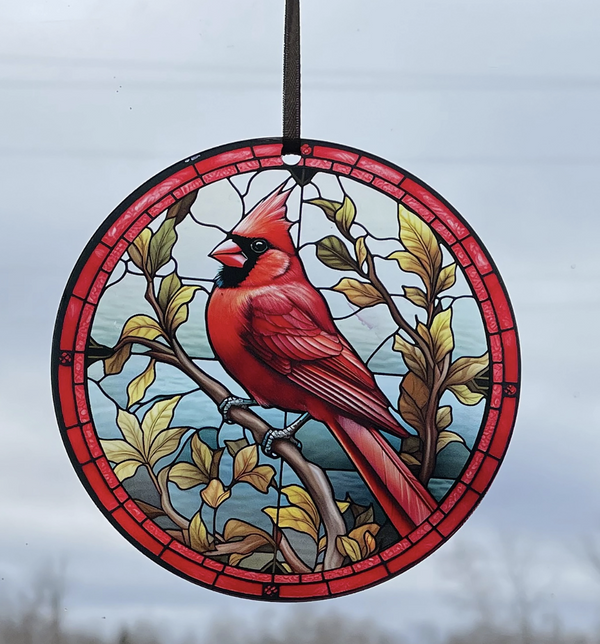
<point>268,219</point>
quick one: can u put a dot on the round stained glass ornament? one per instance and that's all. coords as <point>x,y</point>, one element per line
<point>286,382</point>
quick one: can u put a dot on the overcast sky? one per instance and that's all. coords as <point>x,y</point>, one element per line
<point>494,104</point>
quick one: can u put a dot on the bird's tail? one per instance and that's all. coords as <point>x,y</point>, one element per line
<point>402,497</point>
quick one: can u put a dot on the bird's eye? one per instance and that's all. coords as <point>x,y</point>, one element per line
<point>259,246</point>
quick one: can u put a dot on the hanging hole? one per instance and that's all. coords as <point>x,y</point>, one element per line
<point>291,159</point>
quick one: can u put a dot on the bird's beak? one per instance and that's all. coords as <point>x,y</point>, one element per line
<point>230,254</point>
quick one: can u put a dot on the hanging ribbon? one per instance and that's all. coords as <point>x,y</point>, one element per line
<point>291,79</point>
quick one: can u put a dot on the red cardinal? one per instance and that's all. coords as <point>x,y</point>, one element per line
<point>274,334</point>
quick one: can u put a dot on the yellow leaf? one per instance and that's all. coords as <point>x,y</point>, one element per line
<point>423,331</point>
<point>293,517</point>
<point>115,363</point>
<point>165,443</point>
<point>370,544</point>
<point>416,296</point>
<point>409,264</point>
<point>186,476</point>
<point>126,469</point>
<point>214,493</point>
<point>236,529</point>
<point>344,217</point>
<point>360,248</point>
<point>118,451</point>
<point>445,438</point>
<point>419,240</point>
<point>130,427</point>
<point>322,544</point>
<point>328,207</point>
<point>158,417</point>
<point>441,334</point>
<point>446,279</point>
<point>343,505</point>
<point>465,395</point>
<point>465,369</point>
<point>138,250</point>
<point>141,326</point>
<point>360,536</point>
<point>260,477</point>
<point>409,459</point>
<point>297,495</point>
<point>412,355</point>
<point>199,537</point>
<point>245,461</point>
<point>443,418</point>
<point>177,310</point>
<point>349,548</point>
<point>360,294</point>
<point>137,388</point>
<point>202,455</point>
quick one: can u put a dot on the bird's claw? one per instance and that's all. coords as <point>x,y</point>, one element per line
<point>233,401</point>
<point>287,433</point>
<point>277,434</point>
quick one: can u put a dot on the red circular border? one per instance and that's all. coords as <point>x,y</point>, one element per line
<point>87,284</point>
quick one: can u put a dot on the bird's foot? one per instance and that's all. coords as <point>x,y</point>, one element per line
<point>287,433</point>
<point>233,401</point>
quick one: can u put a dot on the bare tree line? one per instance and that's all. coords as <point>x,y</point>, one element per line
<point>505,599</point>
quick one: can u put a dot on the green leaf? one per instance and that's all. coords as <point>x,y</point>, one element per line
<point>443,418</point>
<point>360,294</point>
<point>412,355</point>
<point>332,252</point>
<point>161,246</point>
<point>186,476</point>
<point>96,351</point>
<point>180,209</point>
<point>158,417</point>
<point>465,395</point>
<point>328,207</point>
<point>465,369</point>
<point>446,279</point>
<point>137,388</point>
<point>345,216</point>
<point>445,438</point>
<point>169,285</point>
<point>416,296</point>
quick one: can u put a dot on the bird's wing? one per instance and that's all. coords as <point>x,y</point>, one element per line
<point>293,333</point>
